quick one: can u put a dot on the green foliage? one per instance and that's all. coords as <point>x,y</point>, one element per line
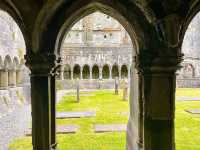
<point>109,109</point>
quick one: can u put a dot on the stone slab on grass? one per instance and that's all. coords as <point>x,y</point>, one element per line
<point>188,98</point>
<point>64,115</point>
<point>99,128</point>
<point>193,111</point>
<point>64,129</point>
<point>67,129</point>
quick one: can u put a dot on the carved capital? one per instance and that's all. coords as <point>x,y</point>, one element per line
<point>43,63</point>
<point>150,63</point>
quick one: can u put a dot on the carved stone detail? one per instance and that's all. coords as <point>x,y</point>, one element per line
<point>43,63</point>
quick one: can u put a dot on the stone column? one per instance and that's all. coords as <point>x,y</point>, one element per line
<point>19,77</point>
<point>100,73</point>
<point>12,78</point>
<point>129,74</point>
<point>120,73</point>
<point>4,79</point>
<point>53,112</point>
<point>42,100</point>
<point>110,72</point>
<point>81,73</point>
<point>158,84</point>
<point>90,72</point>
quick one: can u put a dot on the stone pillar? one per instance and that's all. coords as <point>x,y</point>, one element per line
<point>110,72</point>
<point>53,112</point>
<point>4,79</point>
<point>43,100</point>
<point>158,84</point>
<point>19,77</point>
<point>12,78</point>
<point>100,73</point>
<point>81,73</point>
<point>120,73</point>
<point>129,74</point>
<point>90,72</point>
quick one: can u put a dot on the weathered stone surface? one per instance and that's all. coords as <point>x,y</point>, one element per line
<point>110,127</point>
<point>63,115</point>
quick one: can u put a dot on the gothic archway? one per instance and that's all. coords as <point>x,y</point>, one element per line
<point>124,71</point>
<point>95,72</point>
<point>86,72</point>
<point>115,71</point>
<point>67,72</point>
<point>77,72</point>
<point>106,72</point>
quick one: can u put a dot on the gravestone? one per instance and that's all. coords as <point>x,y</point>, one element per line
<point>99,128</point>
<point>63,129</point>
<point>125,89</point>
<point>116,86</point>
<point>193,111</point>
<point>64,115</point>
<point>77,91</point>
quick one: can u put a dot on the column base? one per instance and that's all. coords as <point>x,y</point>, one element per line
<point>54,146</point>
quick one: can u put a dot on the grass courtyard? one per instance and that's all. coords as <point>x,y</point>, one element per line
<point>111,109</point>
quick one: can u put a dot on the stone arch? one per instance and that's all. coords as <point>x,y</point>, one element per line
<point>1,63</point>
<point>86,72</point>
<point>106,72</point>
<point>188,70</point>
<point>124,71</point>
<point>194,10</point>
<point>67,72</point>
<point>64,16</point>
<point>115,71</point>
<point>95,72</point>
<point>77,71</point>
<point>9,9</point>
<point>8,62</point>
<point>16,63</point>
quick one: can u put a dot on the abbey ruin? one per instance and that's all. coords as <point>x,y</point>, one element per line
<point>83,42</point>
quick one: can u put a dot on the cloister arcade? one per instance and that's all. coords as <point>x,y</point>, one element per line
<point>156,28</point>
<point>85,71</point>
<point>11,73</point>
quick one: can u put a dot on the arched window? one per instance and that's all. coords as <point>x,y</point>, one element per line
<point>77,72</point>
<point>106,72</point>
<point>86,72</point>
<point>95,72</point>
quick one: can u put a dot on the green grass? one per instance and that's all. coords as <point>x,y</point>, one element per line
<point>108,109</point>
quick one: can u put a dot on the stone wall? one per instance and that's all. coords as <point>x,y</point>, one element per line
<point>87,84</point>
<point>15,114</point>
